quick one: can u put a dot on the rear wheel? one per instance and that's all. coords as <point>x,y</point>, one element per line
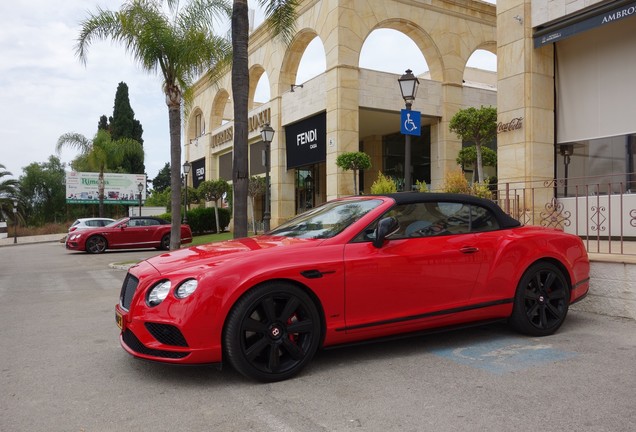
<point>272,332</point>
<point>96,244</point>
<point>542,300</point>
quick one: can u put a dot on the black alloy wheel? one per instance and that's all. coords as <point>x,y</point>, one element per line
<point>96,244</point>
<point>272,332</point>
<point>542,300</point>
<point>165,242</point>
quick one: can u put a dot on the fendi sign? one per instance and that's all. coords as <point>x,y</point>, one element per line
<point>514,124</point>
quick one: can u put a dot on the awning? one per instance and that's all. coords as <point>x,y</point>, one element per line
<point>600,16</point>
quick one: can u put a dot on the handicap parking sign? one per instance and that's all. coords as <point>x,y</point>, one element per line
<point>410,122</point>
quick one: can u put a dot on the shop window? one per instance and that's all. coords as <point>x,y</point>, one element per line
<point>393,157</point>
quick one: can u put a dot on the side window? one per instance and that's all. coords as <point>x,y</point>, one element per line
<point>433,219</point>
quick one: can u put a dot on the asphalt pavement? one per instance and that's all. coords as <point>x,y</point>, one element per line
<point>62,369</point>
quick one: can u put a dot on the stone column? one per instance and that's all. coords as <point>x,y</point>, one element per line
<point>525,91</point>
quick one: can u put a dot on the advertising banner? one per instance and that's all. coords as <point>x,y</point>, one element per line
<point>82,188</point>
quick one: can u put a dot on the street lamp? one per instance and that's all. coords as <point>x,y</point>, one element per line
<point>566,150</point>
<point>140,188</point>
<point>15,221</point>
<point>267,134</point>
<point>408,86</point>
<point>186,171</point>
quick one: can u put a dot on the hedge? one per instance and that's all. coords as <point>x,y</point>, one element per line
<point>202,220</point>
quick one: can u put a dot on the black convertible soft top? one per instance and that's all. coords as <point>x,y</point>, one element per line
<point>504,220</point>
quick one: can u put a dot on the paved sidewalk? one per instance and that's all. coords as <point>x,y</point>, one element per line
<point>9,241</point>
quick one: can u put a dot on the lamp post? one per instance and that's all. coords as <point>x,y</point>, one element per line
<point>186,171</point>
<point>408,86</point>
<point>566,150</point>
<point>15,221</point>
<point>267,134</point>
<point>140,188</point>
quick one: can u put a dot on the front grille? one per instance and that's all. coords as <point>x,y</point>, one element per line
<point>134,344</point>
<point>128,290</point>
<point>166,334</point>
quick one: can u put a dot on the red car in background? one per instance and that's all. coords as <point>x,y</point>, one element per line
<point>352,269</point>
<point>126,233</point>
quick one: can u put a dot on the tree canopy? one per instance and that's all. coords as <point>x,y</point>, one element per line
<point>477,125</point>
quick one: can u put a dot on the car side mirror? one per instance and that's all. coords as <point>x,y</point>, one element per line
<point>122,226</point>
<point>386,227</point>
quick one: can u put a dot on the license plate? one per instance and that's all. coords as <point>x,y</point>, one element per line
<point>119,320</point>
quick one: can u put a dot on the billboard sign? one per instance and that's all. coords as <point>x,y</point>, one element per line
<point>83,187</point>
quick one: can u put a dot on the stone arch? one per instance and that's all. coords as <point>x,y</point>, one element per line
<point>191,132</point>
<point>422,39</point>
<point>255,73</point>
<point>293,55</point>
<point>219,106</point>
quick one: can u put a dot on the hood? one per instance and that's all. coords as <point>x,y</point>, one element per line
<point>212,254</point>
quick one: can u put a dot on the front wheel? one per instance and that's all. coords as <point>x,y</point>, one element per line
<point>272,332</point>
<point>95,244</point>
<point>165,242</point>
<point>542,300</point>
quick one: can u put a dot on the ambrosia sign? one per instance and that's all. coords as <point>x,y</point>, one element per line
<point>514,124</point>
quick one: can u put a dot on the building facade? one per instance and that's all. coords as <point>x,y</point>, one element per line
<point>346,108</point>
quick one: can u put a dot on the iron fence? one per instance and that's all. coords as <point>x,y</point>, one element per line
<point>601,210</point>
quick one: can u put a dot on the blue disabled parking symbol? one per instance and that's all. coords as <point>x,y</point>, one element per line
<point>501,355</point>
<point>410,122</point>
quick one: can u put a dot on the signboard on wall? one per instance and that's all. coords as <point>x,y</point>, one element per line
<point>83,188</point>
<point>198,172</point>
<point>306,141</point>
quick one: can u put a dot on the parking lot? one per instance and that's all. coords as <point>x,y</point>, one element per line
<point>62,369</point>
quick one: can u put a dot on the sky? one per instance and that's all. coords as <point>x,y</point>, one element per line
<point>45,91</point>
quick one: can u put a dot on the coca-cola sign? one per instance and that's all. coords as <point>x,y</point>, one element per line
<point>514,124</point>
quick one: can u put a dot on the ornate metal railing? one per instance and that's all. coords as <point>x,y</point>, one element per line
<point>601,210</point>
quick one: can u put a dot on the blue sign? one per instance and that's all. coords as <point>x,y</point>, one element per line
<point>410,122</point>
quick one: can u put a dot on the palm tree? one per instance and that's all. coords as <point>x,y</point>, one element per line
<point>280,18</point>
<point>101,153</point>
<point>8,193</point>
<point>179,43</point>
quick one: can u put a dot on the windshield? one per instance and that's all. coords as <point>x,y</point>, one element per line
<point>326,220</point>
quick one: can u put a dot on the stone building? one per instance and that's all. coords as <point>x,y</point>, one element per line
<point>346,108</point>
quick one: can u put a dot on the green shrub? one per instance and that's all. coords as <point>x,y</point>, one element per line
<point>202,220</point>
<point>383,185</point>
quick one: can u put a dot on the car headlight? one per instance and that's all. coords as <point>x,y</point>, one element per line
<point>186,288</point>
<point>158,293</point>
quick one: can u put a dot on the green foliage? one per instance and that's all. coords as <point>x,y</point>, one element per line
<point>9,189</point>
<point>124,125</point>
<point>162,181</point>
<point>353,161</point>
<point>456,182</point>
<point>478,126</point>
<point>213,190</point>
<point>43,192</point>
<point>468,156</point>
<point>159,198</point>
<point>383,185</point>
<point>421,186</point>
<point>202,220</point>
<point>256,186</point>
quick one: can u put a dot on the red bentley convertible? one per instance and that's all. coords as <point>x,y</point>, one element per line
<point>349,270</point>
<point>126,233</point>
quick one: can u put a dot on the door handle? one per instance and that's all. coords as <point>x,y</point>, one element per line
<point>469,249</point>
